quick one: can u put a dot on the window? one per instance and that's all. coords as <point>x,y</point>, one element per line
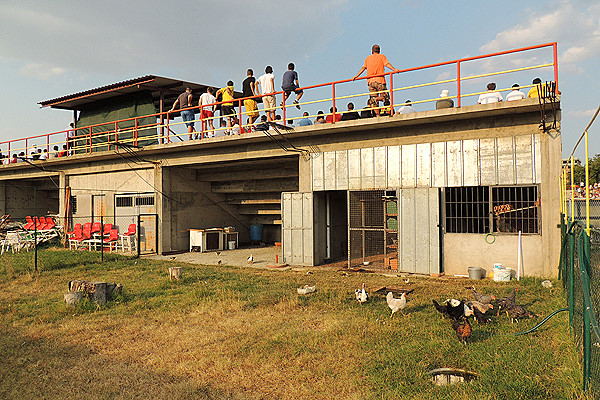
<point>144,201</point>
<point>515,209</point>
<point>485,209</point>
<point>467,209</point>
<point>124,201</point>
<point>73,201</point>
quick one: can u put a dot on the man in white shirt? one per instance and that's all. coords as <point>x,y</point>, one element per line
<point>407,108</point>
<point>491,96</point>
<point>207,112</point>
<point>515,94</point>
<point>267,87</point>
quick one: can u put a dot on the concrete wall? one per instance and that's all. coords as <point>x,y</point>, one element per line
<point>20,199</point>
<point>188,203</point>
<point>464,250</point>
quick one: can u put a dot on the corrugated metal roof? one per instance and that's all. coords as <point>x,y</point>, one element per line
<point>155,85</point>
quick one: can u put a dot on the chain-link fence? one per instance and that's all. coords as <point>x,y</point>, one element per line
<point>580,273</point>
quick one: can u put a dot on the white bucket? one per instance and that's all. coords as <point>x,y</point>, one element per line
<point>231,245</point>
<point>501,274</point>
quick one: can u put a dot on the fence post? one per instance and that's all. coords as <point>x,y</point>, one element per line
<point>139,234</point>
<point>571,272</point>
<point>101,238</point>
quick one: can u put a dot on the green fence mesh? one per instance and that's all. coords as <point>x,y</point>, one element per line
<point>580,274</point>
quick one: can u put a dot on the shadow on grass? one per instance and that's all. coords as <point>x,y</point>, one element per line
<point>45,367</point>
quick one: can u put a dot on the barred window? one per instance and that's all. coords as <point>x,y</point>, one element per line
<point>122,201</point>
<point>485,209</point>
<point>144,201</point>
<point>73,201</point>
<point>515,209</point>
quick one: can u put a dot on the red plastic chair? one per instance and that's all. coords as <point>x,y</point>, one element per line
<point>96,227</point>
<point>40,223</point>
<point>87,226</point>
<point>30,224</point>
<point>129,238</point>
<point>111,240</point>
<point>49,224</point>
<point>75,228</point>
<point>107,229</point>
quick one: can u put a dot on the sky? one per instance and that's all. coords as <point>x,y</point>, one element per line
<point>56,48</point>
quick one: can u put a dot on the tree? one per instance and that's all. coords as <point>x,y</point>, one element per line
<point>579,172</point>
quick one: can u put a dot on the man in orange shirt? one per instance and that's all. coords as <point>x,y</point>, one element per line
<point>375,64</point>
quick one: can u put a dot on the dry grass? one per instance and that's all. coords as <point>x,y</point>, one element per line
<point>225,332</point>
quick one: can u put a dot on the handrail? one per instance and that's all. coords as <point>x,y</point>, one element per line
<point>117,129</point>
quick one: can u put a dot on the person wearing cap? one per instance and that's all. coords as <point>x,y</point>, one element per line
<point>533,92</point>
<point>515,94</point>
<point>375,65</point>
<point>406,108</point>
<point>490,96</point>
<point>444,102</point>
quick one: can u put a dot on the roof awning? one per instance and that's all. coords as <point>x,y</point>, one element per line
<point>155,85</point>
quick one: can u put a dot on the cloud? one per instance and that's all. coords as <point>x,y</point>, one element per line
<point>575,25</point>
<point>197,39</point>
<point>581,113</point>
<point>40,71</point>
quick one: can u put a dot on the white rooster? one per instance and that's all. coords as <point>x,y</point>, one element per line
<point>361,295</point>
<point>250,259</point>
<point>396,304</point>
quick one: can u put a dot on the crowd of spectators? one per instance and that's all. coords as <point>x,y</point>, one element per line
<point>580,191</point>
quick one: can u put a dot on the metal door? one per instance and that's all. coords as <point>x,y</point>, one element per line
<point>297,228</point>
<point>419,230</point>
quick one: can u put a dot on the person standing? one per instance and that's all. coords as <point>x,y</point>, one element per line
<point>185,101</point>
<point>249,90</point>
<point>70,137</point>
<point>290,84</point>
<point>227,110</point>
<point>207,112</point>
<point>375,65</point>
<point>267,86</point>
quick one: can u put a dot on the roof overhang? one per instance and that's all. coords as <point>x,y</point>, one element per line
<point>159,87</point>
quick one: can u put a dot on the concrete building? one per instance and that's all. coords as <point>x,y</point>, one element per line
<point>426,192</point>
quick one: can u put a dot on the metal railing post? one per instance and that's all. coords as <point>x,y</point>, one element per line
<point>391,94</point>
<point>571,273</point>
<point>135,132</point>
<point>458,93</point>
<point>139,234</point>
<point>555,54</point>
<point>101,238</point>
<point>333,100</point>
<point>168,130</point>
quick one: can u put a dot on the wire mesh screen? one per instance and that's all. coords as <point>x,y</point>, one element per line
<point>373,228</point>
<point>572,271</point>
<point>595,296</point>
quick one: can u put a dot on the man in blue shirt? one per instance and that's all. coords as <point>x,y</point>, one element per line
<point>305,121</point>
<point>290,84</point>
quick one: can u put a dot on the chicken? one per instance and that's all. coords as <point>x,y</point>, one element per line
<point>250,259</point>
<point>396,304</point>
<point>361,295</point>
<point>482,298</point>
<point>508,301</point>
<point>451,308</point>
<point>516,312</point>
<point>463,329</point>
<point>479,310</point>
<point>467,311</point>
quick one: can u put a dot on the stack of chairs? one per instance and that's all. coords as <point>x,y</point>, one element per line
<point>90,235</point>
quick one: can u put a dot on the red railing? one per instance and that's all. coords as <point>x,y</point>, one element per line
<point>88,137</point>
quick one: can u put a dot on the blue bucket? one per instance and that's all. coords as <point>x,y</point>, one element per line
<point>256,233</point>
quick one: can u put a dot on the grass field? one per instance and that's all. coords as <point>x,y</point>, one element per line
<point>244,333</point>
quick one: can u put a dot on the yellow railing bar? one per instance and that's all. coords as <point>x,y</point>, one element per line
<point>506,71</point>
<point>572,192</point>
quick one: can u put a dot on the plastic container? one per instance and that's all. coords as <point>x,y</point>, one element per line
<point>476,273</point>
<point>256,233</point>
<point>501,274</point>
<point>231,245</point>
<point>392,223</point>
<point>391,207</point>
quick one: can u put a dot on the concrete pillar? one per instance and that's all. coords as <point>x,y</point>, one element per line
<point>304,175</point>
<point>162,183</point>
<point>63,182</point>
<point>2,198</point>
